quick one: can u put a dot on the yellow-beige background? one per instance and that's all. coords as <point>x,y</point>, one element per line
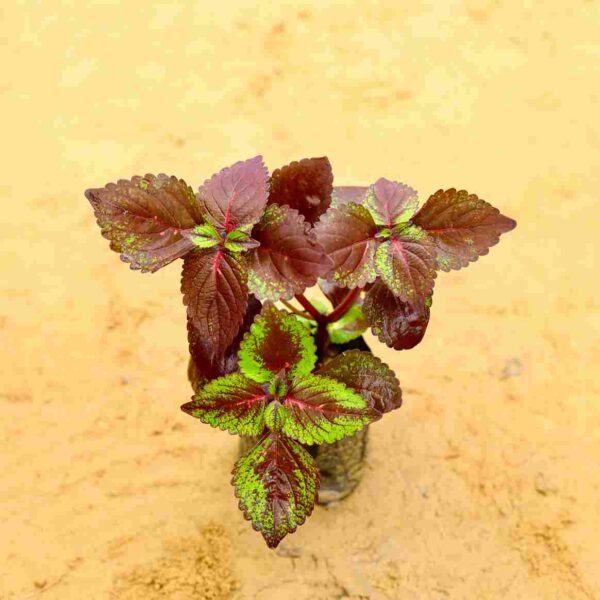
<point>486,483</point>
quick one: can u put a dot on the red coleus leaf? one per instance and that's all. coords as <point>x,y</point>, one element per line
<point>390,202</point>
<point>321,410</point>
<point>235,197</point>
<point>214,290</point>
<point>398,324</point>
<point>203,365</point>
<point>347,234</point>
<point>234,403</point>
<point>277,483</point>
<point>462,225</point>
<point>146,219</point>
<point>406,264</point>
<point>288,259</point>
<point>348,194</point>
<point>305,185</point>
<point>368,376</point>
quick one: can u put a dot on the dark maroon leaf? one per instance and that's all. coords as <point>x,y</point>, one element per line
<point>215,292</point>
<point>347,234</point>
<point>391,202</point>
<point>277,483</point>
<point>368,376</point>
<point>235,197</point>
<point>462,225</point>
<point>396,323</point>
<point>203,366</point>
<point>406,264</point>
<point>288,259</point>
<point>145,219</point>
<point>305,185</point>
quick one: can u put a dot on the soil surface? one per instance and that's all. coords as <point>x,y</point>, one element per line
<point>486,483</point>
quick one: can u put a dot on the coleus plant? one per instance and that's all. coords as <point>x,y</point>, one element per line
<point>281,375</point>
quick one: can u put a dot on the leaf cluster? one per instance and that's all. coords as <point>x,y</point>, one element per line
<point>248,240</point>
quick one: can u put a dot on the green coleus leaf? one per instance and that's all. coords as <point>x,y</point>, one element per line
<point>276,483</point>
<point>366,375</point>
<point>275,416</point>
<point>390,202</point>
<point>288,260</point>
<point>321,410</point>
<point>204,236</point>
<point>276,342</point>
<point>233,402</point>
<point>235,197</point>
<point>351,326</point>
<point>347,233</point>
<point>146,219</point>
<point>463,227</point>
<point>406,264</point>
<point>239,241</point>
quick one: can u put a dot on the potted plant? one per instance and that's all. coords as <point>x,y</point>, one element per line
<point>298,383</point>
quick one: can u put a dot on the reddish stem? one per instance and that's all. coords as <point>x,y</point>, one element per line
<point>294,310</point>
<point>322,341</point>
<point>310,309</point>
<point>344,306</point>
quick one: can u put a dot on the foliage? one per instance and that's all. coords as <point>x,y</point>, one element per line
<point>247,241</point>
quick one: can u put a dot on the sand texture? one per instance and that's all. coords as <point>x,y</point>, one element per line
<point>486,484</point>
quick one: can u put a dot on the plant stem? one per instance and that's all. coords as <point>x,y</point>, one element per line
<point>310,309</point>
<point>322,340</point>
<point>294,310</point>
<point>344,306</point>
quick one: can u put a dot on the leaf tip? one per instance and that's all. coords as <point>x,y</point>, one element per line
<point>188,407</point>
<point>510,224</point>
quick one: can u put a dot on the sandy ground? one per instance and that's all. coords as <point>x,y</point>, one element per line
<point>486,483</point>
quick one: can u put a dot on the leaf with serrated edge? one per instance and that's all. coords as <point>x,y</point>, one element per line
<point>396,323</point>
<point>347,234</point>
<point>235,196</point>
<point>366,375</point>
<point>145,219</point>
<point>463,226</point>
<point>304,185</point>
<point>203,365</point>
<point>391,202</point>
<point>276,482</point>
<point>351,326</point>
<point>276,341</point>
<point>321,410</point>
<point>348,194</point>
<point>406,264</point>
<point>288,260</point>
<point>233,403</point>
<point>214,288</point>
